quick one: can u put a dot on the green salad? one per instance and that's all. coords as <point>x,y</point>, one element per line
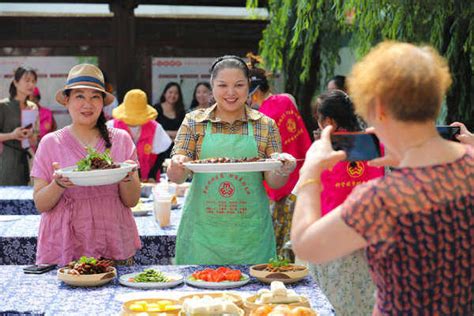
<point>151,275</point>
<point>95,160</point>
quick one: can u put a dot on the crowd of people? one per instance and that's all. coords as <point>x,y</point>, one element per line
<point>399,226</point>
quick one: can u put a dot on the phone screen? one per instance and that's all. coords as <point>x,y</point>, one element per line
<point>449,132</point>
<point>358,146</point>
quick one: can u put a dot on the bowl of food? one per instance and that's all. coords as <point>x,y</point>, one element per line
<point>278,294</point>
<point>232,297</point>
<point>282,310</point>
<point>279,270</point>
<point>207,305</point>
<point>96,169</point>
<point>151,307</point>
<point>87,272</point>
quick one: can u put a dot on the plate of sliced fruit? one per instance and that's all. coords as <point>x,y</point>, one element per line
<point>220,278</point>
<point>151,279</point>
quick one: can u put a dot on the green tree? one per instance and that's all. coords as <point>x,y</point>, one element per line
<point>299,31</point>
<point>301,39</point>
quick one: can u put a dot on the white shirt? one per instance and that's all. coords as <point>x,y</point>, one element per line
<point>161,140</point>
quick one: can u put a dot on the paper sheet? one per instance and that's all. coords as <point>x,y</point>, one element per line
<point>28,117</point>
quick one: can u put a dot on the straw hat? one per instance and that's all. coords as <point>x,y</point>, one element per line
<point>84,76</point>
<point>135,109</point>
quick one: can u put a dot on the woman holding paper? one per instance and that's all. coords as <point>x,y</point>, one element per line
<point>16,128</point>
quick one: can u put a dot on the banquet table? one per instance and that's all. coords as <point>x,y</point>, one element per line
<point>44,294</point>
<point>18,239</point>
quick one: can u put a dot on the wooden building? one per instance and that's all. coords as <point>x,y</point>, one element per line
<point>125,43</point>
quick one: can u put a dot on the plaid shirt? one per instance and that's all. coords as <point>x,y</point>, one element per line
<point>190,135</point>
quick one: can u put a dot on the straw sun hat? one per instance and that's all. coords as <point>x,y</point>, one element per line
<point>84,76</point>
<point>135,109</point>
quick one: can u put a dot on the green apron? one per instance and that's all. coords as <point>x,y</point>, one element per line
<point>226,217</point>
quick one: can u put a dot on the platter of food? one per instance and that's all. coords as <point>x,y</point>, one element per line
<point>151,279</point>
<point>151,306</point>
<point>282,310</point>
<point>142,209</point>
<point>87,272</point>
<point>207,305</point>
<point>220,278</point>
<point>96,169</point>
<point>279,270</point>
<point>224,164</point>
<point>278,294</point>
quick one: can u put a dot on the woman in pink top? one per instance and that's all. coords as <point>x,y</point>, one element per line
<point>346,282</point>
<point>294,140</point>
<point>84,221</point>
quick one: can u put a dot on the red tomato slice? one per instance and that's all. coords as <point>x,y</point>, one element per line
<point>223,269</point>
<point>233,275</point>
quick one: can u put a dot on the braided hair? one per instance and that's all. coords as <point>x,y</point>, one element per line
<point>104,132</point>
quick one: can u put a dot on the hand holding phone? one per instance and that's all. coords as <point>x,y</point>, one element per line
<point>39,268</point>
<point>449,132</point>
<point>358,146</point>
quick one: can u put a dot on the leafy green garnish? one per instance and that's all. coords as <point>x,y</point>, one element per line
<point>87,260</point>
<point>86,163</point>
<point>278,262</point>
<point>150,275</point>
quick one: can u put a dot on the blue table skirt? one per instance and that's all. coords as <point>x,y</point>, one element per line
<point>18,240</point>
<point>45,294</point>
<point>17,201</point>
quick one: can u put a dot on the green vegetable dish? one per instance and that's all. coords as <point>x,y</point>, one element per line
<point>150,275</point>
<point>95,160</point>
<point>278,262</point>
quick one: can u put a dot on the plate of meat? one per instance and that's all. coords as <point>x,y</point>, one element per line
<point>96,169</point>
<point>225,164</point>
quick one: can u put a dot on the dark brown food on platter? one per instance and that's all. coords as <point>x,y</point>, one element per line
<point>97,163</point>
<point>89,266</point>
<point>227,160</point>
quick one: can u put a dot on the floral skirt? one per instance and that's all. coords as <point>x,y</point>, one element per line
<point>282,214</point>
<point>347,284</point>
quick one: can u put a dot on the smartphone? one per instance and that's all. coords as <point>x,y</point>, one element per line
<point>39,268</point>
<point>449,132</point>
<point>28,126</point>
<point>357,145</point>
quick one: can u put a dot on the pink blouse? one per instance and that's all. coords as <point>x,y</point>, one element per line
<point>87,221</point>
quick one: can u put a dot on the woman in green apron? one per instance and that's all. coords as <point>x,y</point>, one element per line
<point>226,217</point>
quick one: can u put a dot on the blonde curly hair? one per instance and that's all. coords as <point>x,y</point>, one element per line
<point>410,80</point>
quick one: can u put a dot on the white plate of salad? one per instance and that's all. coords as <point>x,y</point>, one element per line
<point>151,279</point>
<point>96,169</point>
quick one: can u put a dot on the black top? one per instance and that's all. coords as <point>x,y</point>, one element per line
<point>168,124</point>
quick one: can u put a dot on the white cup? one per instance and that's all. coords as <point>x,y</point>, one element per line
<point>162,207</point>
